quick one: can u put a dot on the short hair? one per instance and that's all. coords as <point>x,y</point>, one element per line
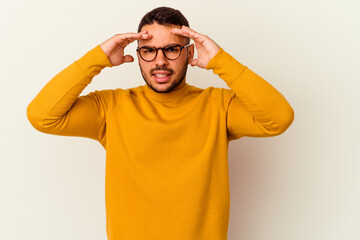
<point>164,16</point>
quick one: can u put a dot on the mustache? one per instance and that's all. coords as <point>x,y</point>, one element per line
<point>161,69</point>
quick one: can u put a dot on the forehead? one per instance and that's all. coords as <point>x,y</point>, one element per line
<point>161,35</point>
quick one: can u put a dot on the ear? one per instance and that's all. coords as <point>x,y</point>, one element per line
<point>138,57</point>
<point>190,51</point>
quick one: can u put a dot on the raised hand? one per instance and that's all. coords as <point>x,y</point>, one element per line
<point>205,46</point>
<point>114,46</point>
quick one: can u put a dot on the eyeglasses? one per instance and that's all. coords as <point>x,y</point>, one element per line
<point>171,52</point>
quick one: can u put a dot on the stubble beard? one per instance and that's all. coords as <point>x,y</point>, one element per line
<point>173,84</point>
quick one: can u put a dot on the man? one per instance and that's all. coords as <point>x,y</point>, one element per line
<point>166,142</point>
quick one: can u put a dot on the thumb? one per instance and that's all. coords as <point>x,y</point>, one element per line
<point>128,58</point>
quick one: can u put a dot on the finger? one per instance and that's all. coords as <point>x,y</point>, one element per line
<point>127,38</point>
<point>130,37</point>
<point>194,62</point>
<point>145,35</point>
<point>188,29</point>
<point>188,32</point>
<point>128,58</point>
<point>136,36</point>
<point>178,31</point>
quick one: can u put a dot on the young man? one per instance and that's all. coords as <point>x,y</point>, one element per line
<point>167,141</point>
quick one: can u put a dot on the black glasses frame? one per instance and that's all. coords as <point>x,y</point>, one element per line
<point>163,51</point>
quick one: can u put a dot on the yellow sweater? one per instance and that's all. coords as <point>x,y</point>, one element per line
<point>166,153</point>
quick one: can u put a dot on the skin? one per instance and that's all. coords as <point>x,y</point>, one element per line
<point>162,36</point>
<point>158,36</point>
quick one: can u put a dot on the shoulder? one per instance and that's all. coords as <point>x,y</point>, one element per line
<point>222,96</point>
<point>220,93</point>
<point>212,91</point>
<point>108,98</point>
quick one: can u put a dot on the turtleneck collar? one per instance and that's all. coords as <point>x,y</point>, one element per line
<point>166,97</point>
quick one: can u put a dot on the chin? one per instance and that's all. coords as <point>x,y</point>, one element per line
<point>162,87</point>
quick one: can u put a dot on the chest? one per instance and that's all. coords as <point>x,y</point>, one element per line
<point>162,129</point>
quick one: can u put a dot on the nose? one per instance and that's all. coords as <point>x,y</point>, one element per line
<point>160,58</point>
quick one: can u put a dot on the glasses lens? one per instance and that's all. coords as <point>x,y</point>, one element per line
<point>147,53</point>
<point>172,52</point>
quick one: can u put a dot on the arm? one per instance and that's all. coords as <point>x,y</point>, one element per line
<point>256,108</point>
<point>58,109</point>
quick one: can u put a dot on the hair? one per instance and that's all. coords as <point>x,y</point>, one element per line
<point>164,16</point>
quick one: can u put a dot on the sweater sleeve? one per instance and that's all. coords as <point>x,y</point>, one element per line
<point>255,107</point>
<point>58,109</point>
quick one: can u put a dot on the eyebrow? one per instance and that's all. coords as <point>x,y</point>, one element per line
<point>164,46</point>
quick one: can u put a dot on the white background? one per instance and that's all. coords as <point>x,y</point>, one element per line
<point>303,184</point>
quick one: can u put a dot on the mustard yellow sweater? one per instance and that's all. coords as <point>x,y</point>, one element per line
<point>166,153</point>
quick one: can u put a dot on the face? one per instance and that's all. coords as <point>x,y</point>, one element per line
<point>174,69</point>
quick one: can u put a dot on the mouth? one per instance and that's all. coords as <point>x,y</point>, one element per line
<point>162,78</point>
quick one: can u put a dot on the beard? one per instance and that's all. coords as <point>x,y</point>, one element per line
<point>179,78</point>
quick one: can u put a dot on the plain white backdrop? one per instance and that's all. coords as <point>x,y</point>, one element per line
<point>303,184</point>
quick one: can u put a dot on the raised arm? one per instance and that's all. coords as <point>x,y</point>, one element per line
<point>254,107</point>
<point>58,109</point>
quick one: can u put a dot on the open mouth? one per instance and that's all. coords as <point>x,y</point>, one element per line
<point>162,77</point>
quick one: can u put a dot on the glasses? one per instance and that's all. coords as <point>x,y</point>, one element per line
<point>171,52</point>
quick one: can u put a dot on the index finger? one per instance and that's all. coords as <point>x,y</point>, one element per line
<point>127,38</point>
<point>186,32</point>
<point>136,36</point>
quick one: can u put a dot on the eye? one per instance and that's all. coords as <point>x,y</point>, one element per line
<point>148,50</point>
<point>172,49</point>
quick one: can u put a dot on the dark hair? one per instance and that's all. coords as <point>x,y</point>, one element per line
<point>164,16</point>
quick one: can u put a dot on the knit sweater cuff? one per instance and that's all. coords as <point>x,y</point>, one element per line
<point>93,62</point>
<point>226,66</point>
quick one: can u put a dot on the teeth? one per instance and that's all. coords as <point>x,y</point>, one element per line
<point>161,75</point>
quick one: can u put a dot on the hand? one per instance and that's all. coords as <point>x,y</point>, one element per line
<point>114,46</point>
<point>205,47</point>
